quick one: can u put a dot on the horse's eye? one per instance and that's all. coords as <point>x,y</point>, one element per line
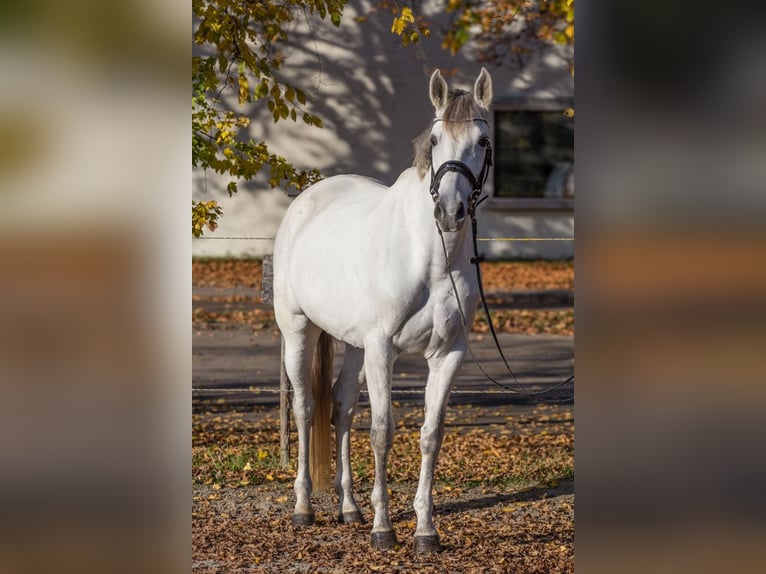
<point>433,140</point>
<point>484,141</point>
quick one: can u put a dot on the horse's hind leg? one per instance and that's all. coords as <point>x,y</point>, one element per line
<point>346,392</point>
<point>300,342</point>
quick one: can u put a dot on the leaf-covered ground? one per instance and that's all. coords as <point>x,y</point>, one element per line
<point>504,496</point>
<point>497,275</point>
<point>501,277</point>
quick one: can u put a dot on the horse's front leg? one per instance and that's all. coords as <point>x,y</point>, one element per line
<point>378,367</point>
<point>442,369</point>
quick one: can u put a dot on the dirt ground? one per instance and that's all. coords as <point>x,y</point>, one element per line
<point>504,497</point>
<point>249,530</point>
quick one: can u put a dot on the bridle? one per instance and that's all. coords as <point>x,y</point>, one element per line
<point>477,183</point>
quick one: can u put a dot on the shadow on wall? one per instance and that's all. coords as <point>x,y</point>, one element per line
<point>372,95</point>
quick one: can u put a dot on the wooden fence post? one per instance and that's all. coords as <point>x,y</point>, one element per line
<point>284,383</point>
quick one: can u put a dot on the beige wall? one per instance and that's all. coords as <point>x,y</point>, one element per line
<point>372,96</point>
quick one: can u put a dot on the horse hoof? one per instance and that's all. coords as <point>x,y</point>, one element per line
<point>383,540</point>
<point>349,517</point>
<point>303,519</point>
<point>427,544</point>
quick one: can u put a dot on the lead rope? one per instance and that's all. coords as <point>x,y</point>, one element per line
<point>476,260</point>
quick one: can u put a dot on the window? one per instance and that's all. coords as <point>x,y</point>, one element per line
<point>534,155</point>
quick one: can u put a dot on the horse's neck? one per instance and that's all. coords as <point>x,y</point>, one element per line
<point>416,208</point>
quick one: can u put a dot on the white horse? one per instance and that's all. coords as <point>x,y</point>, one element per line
<point>365,264</point>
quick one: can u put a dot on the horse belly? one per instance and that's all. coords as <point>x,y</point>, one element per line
<point>329,275</point>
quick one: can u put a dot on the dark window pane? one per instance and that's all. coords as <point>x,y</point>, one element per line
<point>534,154</point>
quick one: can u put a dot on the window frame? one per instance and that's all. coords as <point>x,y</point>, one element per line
<point>519,203</point>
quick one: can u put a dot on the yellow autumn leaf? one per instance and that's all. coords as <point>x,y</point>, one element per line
<point>400,22</point>
<point>569,31</point>
<point>262,454</point>
<point>244,88</point>
<point>282,499</point>
<point>269,477</point>
<point>247,467</point>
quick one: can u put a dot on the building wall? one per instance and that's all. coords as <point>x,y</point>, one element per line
<point>372,95</point>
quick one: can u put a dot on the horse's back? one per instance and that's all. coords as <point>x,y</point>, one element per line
<point>347,191</point>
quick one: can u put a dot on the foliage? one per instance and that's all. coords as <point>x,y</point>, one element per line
<point>409,27</point>
<point>243,42</point>
<point>501,28</point>
<point>205,214</point>
<point>497,28</point>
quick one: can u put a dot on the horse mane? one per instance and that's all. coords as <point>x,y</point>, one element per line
<point>460,107</point>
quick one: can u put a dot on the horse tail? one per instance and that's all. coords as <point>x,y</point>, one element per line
<point>320,449</point>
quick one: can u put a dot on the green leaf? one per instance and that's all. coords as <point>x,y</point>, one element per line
<point>261,90</point>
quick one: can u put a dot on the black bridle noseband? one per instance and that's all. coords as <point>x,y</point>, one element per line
<point>477,183</point>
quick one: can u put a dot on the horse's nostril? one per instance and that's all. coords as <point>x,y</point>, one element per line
<point>461,212</point>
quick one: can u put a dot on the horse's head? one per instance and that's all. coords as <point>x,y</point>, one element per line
<point>460,151</point>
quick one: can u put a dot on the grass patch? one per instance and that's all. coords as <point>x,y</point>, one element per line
<point>536,449</point>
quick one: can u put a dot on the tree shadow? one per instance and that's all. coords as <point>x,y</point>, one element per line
<point>372,95</point>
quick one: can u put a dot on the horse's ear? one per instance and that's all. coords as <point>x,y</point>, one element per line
<point>482,89</point>
<point>438,91</point>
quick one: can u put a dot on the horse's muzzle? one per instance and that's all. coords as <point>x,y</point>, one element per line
<point>452,218</point>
